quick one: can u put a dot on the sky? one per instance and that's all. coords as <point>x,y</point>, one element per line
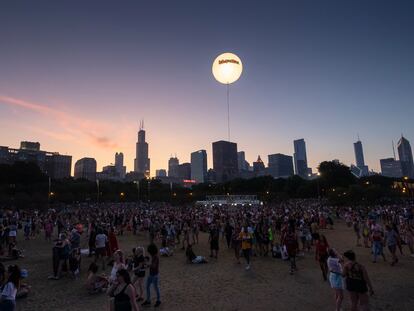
<point>78,76</point>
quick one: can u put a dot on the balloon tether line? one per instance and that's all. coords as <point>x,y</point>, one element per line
<point>228,110</point>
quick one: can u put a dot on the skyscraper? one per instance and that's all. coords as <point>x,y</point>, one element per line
<point>406,157</point>
<point>142,162</point>
<point>173,164</point>
<point>280,165</point>
<point>258,166</point>
<point>184,171</point>
<point>391,168</point>
<point>85,168</point>
<point>161,173</point>
<point>199,166</point>
<point>242,164</point>
<point>359,158</point>
<point>53,164</point>
<point>119,165</point>
<point>225,160</point>
<point>300,159</point>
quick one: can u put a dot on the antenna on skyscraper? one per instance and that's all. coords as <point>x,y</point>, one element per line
<point>393,149</point>
<point>358,137</point>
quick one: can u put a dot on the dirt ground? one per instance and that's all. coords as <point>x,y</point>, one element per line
<point>223,284</point>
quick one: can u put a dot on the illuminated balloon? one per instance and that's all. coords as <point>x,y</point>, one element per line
<point>227,68</point>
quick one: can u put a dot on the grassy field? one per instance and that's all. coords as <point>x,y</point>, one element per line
<point>223,284</point>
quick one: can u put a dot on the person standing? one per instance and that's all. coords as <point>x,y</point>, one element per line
<point>246,240</point>
<point>153,278</point>
<point>391,240</point>
<point>335,278</point>
<point>100,247</point>
<point>357,282</point>
<point>123,293</point>
<point>8,294</point>
<point>290,241</point>
<point>214,241</point>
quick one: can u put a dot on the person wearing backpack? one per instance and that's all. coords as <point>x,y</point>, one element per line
<point>358,283</point>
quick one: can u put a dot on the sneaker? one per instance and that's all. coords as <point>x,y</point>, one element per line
<point>157,304</point>
<point>248,267</point>
<point>146,303</point>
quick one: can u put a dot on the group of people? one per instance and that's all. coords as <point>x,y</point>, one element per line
<point>285,230</point>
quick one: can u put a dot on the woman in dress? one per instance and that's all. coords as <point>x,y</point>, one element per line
<point>335,277</point>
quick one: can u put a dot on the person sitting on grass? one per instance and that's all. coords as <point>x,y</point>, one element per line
<point>193,258</point>
<point>95,283</point>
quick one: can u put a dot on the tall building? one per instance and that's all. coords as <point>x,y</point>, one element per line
<point>173,164</point>
<point>199,166</point>
<point>85,168</point>
<point>142,162</point>
<point>405,156</point>
<point>300,159</point>
<point>359,159</point>
<point>391,168</point>
<point>258,166</point>
<point>119,165</point>
<point>160,173</point>
<point>242,164</point>
<point>225,160</point>
<point>184,171</point>
<point>280,165</point>
<point>53,164</point>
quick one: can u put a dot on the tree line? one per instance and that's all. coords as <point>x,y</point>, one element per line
<point>24,185</point>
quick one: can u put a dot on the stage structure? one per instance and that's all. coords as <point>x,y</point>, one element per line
<point>231,200</point>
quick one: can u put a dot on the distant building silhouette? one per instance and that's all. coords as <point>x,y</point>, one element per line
<point>391,168</point>
<point>85,168</point>
<point>242,164</point>
<point>280,165</point>
<point>362,169</point>
<point>199,166</point>
<point>53,164</point>
<point>142,162</point>
<point>225,160</point>
<point>406,157</point>
<point>300,159</point>
<point>173,164</point>
<point>258,166</point>
<point>184,171</point>
<point>161,173</point>
<point>119,165</point>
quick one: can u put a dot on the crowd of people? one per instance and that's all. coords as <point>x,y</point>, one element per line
<point>285,230</point>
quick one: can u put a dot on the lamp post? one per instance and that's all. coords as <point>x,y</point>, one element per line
<point>97,195</point>
<point>149,192</point>
<point>137,182</point>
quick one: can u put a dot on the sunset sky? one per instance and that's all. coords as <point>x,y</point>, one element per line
<point>78,76</point>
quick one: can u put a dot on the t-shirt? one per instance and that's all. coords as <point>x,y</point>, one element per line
<point>246,240</point>
<point>100,240</point>
<point>9,291</point>
<point>154,267</point>
<point>334,265</point>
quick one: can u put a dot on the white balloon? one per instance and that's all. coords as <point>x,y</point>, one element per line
<point>227,68</point>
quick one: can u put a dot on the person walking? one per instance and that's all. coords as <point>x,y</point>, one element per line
<point>358,283</point>
<point>153,278</point>
<point>246,240</point>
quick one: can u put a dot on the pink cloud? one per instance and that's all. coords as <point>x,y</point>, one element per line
<point>73,127</point>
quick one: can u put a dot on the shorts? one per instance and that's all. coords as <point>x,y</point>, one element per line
<point>100,251</point>
<point>336,280</point>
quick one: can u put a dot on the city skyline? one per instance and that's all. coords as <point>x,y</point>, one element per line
<point>322,75</point>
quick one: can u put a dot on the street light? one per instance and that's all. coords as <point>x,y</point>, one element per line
<point>137,182</point>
